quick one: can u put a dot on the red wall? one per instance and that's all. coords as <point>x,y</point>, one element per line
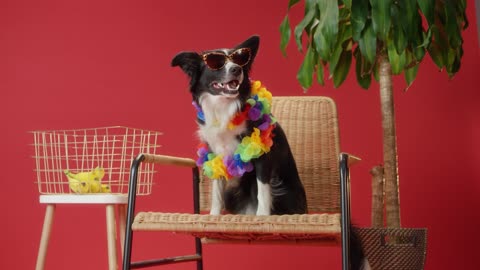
<point>76,64</point>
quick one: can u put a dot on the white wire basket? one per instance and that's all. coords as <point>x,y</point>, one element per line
<point>69,161</point>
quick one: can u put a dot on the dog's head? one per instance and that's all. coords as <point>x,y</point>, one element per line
<point>220,72</point>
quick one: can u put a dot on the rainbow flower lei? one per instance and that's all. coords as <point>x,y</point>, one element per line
<point>258,110</point>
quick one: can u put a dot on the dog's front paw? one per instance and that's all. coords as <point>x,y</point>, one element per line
<point>215,211</point>
<point>264,197</point>
<point>263,212</point>
<point>217,197</point>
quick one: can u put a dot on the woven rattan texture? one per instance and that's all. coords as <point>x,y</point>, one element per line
<point>241,227</point>
<point>311,126</point>
<point>408,253</point>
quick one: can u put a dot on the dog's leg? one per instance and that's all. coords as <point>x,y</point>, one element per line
<point>264,197</point>
<point>251,209</point>
<point>217,196</point>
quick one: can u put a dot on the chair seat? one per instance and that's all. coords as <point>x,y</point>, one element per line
<point>243,227</point>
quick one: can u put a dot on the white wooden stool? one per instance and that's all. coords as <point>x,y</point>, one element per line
<point>111,201</point>
<point>84,154</point>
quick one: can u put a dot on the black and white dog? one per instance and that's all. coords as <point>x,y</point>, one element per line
<point>220,87</point>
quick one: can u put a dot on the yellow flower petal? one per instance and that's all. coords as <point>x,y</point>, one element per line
<point>255,87</point>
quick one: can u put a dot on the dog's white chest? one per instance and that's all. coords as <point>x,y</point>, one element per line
<point>221,141</point>
<point>218,113</point>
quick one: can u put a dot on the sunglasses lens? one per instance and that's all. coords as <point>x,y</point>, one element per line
<point>241,57</point>
<point>215,61</point>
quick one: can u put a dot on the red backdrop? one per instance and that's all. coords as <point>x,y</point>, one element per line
<point>77,64</point>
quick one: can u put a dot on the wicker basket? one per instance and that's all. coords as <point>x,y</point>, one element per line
<point>82,150</point>
<point>394,249</point>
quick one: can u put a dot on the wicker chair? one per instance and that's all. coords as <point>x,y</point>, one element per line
<point>311,127</point>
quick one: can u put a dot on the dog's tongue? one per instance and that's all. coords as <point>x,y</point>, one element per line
<point>232,85</point>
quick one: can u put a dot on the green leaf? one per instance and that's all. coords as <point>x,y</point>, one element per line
<point>412,70</point>
<point>397,61</point>
<point>341,71</point>
<point>310,4</point>
<point>301,26</point>
<point>305,73</point>
<point>451,25</point>
<point>438,48</point>
<point>419,53</point>
<point>334,59</point>
<point>285,34</point>
<point>381,17</point>
<point>348,3</point>
<point>345,33</point>
<point>461,12</point>
<point>408,17</point>
<point>343,14</point>
<point>420,39</point>
<point>326,32</point>
<point>291,3</point>
<point>454,67</point>
<point>436,54</point>
<point>399,38</point>
<point>343,39</point>
<point>362,70</point>
<point>450,56</point>
<point>439,12</point>
<point>427,37</point>
<point>368,43</point>
<point>410,75</point>
<point>359,17</point>
<point>410,59</point>
<point>320,74</point>
<point>427,7</point>
<point>321,44</point>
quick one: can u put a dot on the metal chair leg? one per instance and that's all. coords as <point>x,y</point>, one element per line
<point>196,209</point>
<point>345,208</point>
<point>132,193</point>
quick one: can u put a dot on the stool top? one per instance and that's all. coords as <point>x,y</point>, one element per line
<point>84,199</point>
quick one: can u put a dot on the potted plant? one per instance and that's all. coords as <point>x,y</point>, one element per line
<point>386,38</point>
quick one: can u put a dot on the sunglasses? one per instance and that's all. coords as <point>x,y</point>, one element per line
<point>217,60</point>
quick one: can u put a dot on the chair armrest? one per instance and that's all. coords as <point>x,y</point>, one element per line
<point>168,160</point>
<point>132,187</point>
<point>351,159</point>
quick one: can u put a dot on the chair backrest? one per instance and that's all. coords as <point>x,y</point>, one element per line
<point>311,126</point>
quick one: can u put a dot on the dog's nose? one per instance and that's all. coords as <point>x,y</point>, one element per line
<point>236,70</point>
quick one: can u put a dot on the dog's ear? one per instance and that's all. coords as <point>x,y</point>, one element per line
<point>189,62</point>
<point>252,42</point>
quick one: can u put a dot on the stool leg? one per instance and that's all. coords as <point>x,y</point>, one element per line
<point>122,219</point>
<point>46,230</point>
<point>112,251</point>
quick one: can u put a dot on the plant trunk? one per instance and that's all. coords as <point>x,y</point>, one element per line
<point>377,196</point>
<point>392,199</point>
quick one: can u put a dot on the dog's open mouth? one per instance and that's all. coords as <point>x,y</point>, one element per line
<point>227,88</point>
